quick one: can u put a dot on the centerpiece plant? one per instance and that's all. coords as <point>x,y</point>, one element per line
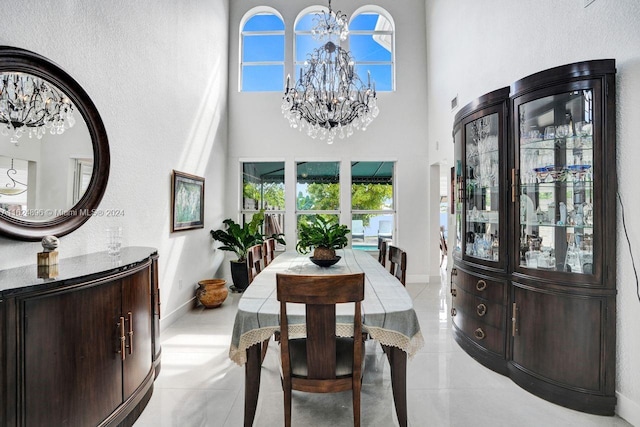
<point>322,235</point>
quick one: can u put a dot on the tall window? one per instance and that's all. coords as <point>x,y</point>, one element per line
<point>262,51</point>
<point>263,188</point>
<point>372,204</point>
<point>318,190</point>
<point>371,42</point>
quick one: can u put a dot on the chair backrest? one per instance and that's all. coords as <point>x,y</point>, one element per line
<point>320,294</point>
<point>382,254</point>
<point>254,259</point>
<point>269,251</point>
<point>398,263</point>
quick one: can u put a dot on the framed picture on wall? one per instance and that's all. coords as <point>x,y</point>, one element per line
<point>187,201</point>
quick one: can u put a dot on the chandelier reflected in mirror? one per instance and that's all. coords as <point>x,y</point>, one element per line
<point>329,99</point>
<point>28,104</point>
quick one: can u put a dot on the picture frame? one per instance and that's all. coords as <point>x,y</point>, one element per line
<point>187,201</point>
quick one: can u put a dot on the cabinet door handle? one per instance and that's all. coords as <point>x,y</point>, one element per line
<point>479,334</point>
<point>122,339</point>
<point>514,320</point>
<point>453,312</point>
<point>130,333</point>
<point>481,310</point>
<point>481,285</point>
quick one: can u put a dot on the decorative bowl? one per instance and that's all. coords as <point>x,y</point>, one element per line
<point>325,262</point>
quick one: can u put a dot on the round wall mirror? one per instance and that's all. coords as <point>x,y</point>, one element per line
<point>54,152</point>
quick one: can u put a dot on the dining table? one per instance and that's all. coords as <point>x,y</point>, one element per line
<point>388,317</point>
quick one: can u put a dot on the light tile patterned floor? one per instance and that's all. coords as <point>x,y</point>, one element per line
<point>200,386</point>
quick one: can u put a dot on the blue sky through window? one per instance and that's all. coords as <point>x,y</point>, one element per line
<point>263,54</point>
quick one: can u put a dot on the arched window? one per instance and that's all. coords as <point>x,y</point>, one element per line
<point>262,51</point>
<point>305,42</point>
<point>372,44</point>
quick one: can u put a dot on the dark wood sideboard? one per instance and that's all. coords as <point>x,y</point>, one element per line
<point>80,349</point>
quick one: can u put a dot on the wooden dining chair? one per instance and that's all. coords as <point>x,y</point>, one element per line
<point>382,253</point>
<point>254,259</point>
<point>398,263</point>
<point>269,251</point>
<point>321,362</point>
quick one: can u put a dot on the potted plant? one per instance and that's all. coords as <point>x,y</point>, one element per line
<point>322,235</point>
<point>239,239</point>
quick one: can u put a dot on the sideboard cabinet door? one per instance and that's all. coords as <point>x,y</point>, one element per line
<point>72,373</point>
<point>136,308</point>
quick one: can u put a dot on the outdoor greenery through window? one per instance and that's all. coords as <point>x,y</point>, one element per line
<point>372,204</point>
<point>263,188</point>
<point>262,53</point>
<point>317,190</point>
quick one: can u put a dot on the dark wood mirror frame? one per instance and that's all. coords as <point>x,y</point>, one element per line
<point>20,60</point>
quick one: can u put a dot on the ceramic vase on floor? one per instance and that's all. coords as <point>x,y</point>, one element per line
<point>212,292</point>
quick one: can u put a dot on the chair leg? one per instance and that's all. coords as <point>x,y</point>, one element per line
<point>357,386</point>
<point>287,405</point>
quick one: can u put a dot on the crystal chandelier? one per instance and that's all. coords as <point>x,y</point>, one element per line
<point>329,99</point>
<point>31,105</point>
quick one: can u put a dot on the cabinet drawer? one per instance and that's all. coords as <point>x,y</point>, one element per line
<point>480,309</point>
<point>487,336</point>
<point>485,288</point>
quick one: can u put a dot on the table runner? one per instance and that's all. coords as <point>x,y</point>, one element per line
<point>387,310</point>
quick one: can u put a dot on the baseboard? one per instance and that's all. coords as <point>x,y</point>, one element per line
<point>628,409</point>
<point>168,319</point>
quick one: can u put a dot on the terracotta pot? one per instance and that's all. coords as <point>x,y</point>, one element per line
<point>212,292</point>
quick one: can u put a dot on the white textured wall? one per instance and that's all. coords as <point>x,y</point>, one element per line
<point>475,47</point>
<point>157,72</point>
<point>258,130</point>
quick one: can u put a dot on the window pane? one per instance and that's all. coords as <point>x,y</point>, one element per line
<point>263,48</point>
<point>368,21</point>
<point>262,78</point>
<point>380,75</point>
<point>306,22</point>
<point>318,186</point>
<point>367,48</point>
<point>264,22</point>
<point>305,44</point>
<point>368,230</point>
<point>263,185</point>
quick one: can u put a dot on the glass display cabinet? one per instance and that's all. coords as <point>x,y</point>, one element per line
<point>534,278</point>
<point>556,181</point>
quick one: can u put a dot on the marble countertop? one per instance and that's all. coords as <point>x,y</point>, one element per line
<point>71,270</point>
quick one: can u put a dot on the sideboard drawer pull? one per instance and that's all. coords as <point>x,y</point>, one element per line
<point>481,310</point>
<point>479,334</point>
<point>481,285</point>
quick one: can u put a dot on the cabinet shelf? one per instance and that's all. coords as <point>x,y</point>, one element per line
<point>568,143</point>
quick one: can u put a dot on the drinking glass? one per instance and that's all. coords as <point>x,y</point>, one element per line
<point>114,240</point>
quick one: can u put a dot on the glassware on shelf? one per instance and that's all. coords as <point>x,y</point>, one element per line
<point>550,132</point>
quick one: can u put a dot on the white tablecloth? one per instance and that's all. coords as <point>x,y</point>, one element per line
<point>387,309</point>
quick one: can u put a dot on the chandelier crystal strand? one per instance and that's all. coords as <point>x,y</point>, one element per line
<point>31,105</point>
<point>329,99</point>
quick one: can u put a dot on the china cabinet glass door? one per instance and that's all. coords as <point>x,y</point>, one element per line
<point>482,187</point>
<point>556,182</point>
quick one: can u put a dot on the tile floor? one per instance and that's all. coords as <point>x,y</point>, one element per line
<point>200,386</point>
